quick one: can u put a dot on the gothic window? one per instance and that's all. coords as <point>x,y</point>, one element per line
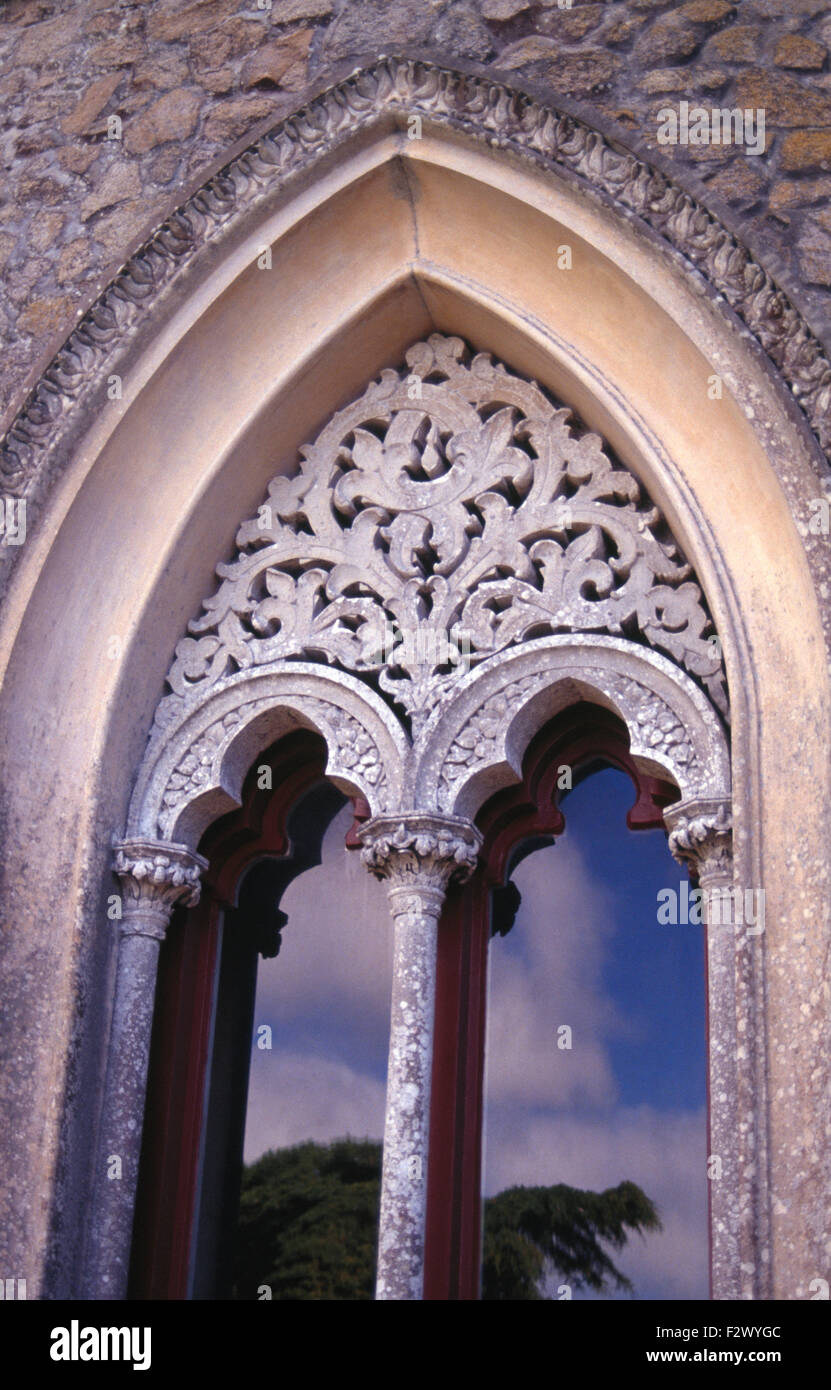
<point>456,571</point>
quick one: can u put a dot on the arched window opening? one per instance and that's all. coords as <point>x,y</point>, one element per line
<point>596,1059</point>
<point>308,1224</point>
<point>513,823</point>
<point>205,1018</point>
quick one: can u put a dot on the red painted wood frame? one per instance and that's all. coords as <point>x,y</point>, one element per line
<point>180,1051</point>
<point>583,735</point>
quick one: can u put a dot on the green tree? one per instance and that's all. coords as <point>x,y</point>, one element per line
<point>309,1214</point>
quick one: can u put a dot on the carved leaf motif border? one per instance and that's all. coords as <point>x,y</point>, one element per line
<point>483,108</point>
<point>451,512</point>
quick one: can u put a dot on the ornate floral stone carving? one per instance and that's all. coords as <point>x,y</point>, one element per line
<point>701,838</point>
<point>476,742</point>
<point>483,108</point>
<point>651,719</point>
<point>467,507</point>
<point>155,877</point>
<point>419,851</point>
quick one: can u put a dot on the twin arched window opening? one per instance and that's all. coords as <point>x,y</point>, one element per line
<point>204,1024</point>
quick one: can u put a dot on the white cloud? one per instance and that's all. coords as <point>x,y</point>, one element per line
<point>336,951</point>
<point>664,1153</point>
<point>292,1098</point>
<point>548,972</point>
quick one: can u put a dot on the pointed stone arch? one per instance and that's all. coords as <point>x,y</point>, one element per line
<point>226,374</point>
<point>458,500</point>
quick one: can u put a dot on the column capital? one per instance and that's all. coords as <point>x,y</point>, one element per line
<point>701,837</point>
<point>155,876</point>
<point>420,851</point>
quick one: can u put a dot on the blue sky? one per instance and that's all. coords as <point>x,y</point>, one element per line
<point>626,1102</point>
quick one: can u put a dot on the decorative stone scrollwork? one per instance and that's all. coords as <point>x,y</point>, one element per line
<point>467,516</point>
<point>701,838</point>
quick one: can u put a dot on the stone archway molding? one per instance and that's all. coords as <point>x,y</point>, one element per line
<point>399,89</point>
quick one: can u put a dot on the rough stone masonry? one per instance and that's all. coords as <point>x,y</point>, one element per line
<point>189,79</point>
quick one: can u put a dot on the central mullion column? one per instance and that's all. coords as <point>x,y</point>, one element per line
<point>418,856</point>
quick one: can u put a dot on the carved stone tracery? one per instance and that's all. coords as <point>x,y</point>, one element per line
<point>454,501</point>
<point>452,498</point>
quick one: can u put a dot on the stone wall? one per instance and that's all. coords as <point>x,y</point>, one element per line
<point>188,79</point>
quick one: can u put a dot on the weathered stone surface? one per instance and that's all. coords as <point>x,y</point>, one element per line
<point>119,182</point>
<point>797,51</point>
<point>571,25</point>
<point>786,9</point>
<point>706,11</point>
<point>285,11</point>
<point>172,117</point>
<point>210,50</point>
<point>791,195</point>
<point>678,80</point>
<point>115,231</point>
<point>807,149</point>
<point>621,29</point>
<point>46,229</point>
<point>669,37</point>
<point>230,119</point>
<point>579,75</point>
<point>165,164</point>
<point>785,100</point>
<point>41,42</point>
<point>460,30</point>
<point>504,9</point>
<point>73,260</point>
<point>45,316</point>
<point>175,22</point>
<point>162,71</point>
<point>92,103</point>
<point>117,52</point>
<point>815,248</point>
<point>356,28</point>
<point>282,62</point>
<point>78,158</point>
<point>6,247</point>
<point>738,183</point>
<point>738,44</point>
<point>524,51</point>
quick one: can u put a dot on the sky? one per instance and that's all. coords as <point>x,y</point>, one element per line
<point>627,1101</point>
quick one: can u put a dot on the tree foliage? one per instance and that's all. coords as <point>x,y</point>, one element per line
<point>534,1231</point>
<point>309,1215</point>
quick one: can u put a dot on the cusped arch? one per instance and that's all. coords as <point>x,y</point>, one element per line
<point>477,745</point>
<point>195,764</point>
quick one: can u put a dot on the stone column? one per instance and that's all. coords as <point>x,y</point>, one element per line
<point>701,839</point>
<point>418,856</point>
<point>154,877</point>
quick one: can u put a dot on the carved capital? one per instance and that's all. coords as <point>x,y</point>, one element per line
<point>155,876</point>
<point>420,854</point>
<point>701,838</point>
